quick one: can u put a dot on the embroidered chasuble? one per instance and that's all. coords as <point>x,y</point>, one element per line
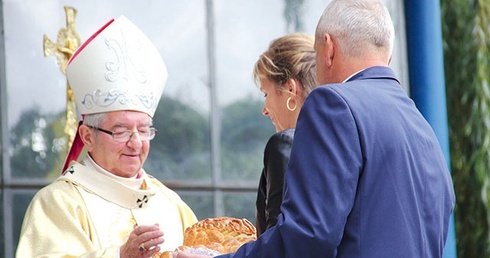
<point>87,212</point>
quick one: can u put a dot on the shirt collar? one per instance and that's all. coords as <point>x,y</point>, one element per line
<point>352,75</point>
<point>133,182</point>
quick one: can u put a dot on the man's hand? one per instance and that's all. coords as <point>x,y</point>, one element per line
<point>142,242</point>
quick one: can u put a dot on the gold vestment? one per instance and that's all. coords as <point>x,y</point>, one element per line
<point>88,214</point>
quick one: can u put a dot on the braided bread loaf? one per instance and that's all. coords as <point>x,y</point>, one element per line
<point>214,236</point>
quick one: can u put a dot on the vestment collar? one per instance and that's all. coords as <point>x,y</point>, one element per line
<point>108,188</point>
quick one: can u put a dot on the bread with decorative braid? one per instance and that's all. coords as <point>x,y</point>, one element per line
<point>214,236</point>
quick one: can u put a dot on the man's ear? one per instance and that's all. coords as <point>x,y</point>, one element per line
<point>87,136</point>
<point>329,49</point>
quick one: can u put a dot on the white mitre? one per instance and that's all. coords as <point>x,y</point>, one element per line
<point>118,68</point>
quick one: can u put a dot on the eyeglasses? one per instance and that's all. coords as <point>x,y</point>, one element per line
<point>124,136</point>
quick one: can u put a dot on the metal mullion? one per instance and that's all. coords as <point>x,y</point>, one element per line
<point>5,172</point>
<point>215,123</point>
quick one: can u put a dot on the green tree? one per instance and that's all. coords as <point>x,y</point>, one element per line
<point>181,149</point>
<point>293,14</point>
<point>245,132</point>
<point>466,29</point>
<point>36,142</point>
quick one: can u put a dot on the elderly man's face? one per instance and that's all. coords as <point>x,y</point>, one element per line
<point>123,159</point>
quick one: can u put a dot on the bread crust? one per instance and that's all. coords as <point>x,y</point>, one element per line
<point>216,236</point>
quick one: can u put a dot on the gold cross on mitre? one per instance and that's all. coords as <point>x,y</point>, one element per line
<point>67,42</point>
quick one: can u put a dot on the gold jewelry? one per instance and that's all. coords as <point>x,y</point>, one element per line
<point>142,247</point>
<point>287,105</point>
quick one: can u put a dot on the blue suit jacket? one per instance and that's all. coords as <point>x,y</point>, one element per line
<point>366,178</point>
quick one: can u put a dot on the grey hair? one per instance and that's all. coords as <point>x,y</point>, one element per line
<point>358,26</point>
<point>94,120</point>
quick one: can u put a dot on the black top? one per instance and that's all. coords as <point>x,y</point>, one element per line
<point>269,195</point>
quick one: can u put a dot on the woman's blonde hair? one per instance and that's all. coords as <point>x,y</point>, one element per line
<point>289,57</point>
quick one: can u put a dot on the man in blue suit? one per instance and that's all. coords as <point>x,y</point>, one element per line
<point>367,177</point>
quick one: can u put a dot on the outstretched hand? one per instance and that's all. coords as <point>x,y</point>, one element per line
<point>142,242</point>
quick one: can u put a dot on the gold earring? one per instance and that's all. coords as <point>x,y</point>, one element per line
<point>287,105</point>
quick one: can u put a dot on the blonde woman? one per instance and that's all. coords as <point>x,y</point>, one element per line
<point>286,74</point>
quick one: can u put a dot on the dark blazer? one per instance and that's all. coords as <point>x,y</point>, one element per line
<point>366,177</point>
<point>269,194</point>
